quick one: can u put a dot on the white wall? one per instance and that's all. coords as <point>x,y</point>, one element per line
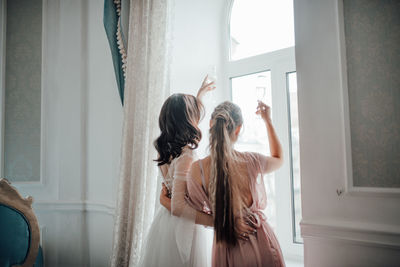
<point>104,131</point>
<point>197,38</point>
<point>348,229</point>
<point>105,113</point>
<point>82,117</point>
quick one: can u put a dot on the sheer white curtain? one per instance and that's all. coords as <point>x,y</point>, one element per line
<point>146,87</point>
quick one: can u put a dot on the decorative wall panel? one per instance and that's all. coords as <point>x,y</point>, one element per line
<point>372,37</point>
<point>23,90</point>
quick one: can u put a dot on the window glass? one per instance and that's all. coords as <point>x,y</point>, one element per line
<point>260,26</point>
<point>294,154</point>
<point>246,90</point>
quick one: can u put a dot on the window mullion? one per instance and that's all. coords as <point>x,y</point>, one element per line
<point>282,176</point>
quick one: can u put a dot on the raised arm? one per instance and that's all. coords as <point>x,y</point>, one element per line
<point>205,87</point>
<point>273,162</point>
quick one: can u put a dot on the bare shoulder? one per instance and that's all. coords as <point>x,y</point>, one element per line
<point>195,172</point>
<point>206,161</point>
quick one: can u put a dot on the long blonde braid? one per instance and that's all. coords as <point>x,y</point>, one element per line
<point>225,119</point>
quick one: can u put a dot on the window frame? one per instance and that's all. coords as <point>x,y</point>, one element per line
<point>290,158</point>
<point>280,63</point>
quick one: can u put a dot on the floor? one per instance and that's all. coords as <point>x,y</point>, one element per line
<point>291,263</point>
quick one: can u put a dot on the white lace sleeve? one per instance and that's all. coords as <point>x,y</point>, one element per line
<point>179,203</point>
<point>181,168</point>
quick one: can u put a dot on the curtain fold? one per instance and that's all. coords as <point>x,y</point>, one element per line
<point>146,87</point>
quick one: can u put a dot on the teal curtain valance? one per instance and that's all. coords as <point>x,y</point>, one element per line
<point>111,18</point>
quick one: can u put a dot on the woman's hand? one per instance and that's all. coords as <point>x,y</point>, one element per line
<point>165,200</point>
<point>244,229</point>
<point>264,111</point>
<point>276,160</point>
<point>206,86</point>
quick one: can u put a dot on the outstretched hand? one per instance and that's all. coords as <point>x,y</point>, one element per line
<point>264,111</point>
<point>206,86</point>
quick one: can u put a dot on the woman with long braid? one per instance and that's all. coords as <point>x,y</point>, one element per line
<point>229,184</point>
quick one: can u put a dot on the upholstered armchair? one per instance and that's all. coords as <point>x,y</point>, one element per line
<point>19,229</point>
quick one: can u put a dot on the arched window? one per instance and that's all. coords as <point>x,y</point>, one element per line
<point>260,26</point>
<point>260,65</point>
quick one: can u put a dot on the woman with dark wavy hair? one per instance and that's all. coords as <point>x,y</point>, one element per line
<point>169,242</point>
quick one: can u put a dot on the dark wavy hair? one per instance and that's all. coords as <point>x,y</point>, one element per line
<point>178,122</point>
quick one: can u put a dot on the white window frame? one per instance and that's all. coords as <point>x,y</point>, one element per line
<point>280,63</point>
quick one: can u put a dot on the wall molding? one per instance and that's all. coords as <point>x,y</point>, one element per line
<point>359,233</point>
<point>372,191</point>
<point>68,206</point>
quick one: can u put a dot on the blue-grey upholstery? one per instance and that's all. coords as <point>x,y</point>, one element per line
<point>14,238</point>
<point>39,258</point>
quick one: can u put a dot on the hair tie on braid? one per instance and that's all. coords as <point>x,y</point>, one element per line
<point>220,118</point>
<point>224,116</point>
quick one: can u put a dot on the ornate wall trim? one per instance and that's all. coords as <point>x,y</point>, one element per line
<point>81,206</point>
<point>365,234</point>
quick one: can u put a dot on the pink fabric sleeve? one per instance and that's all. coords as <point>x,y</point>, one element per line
<point>257,162</point>
<point>258,168</point>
